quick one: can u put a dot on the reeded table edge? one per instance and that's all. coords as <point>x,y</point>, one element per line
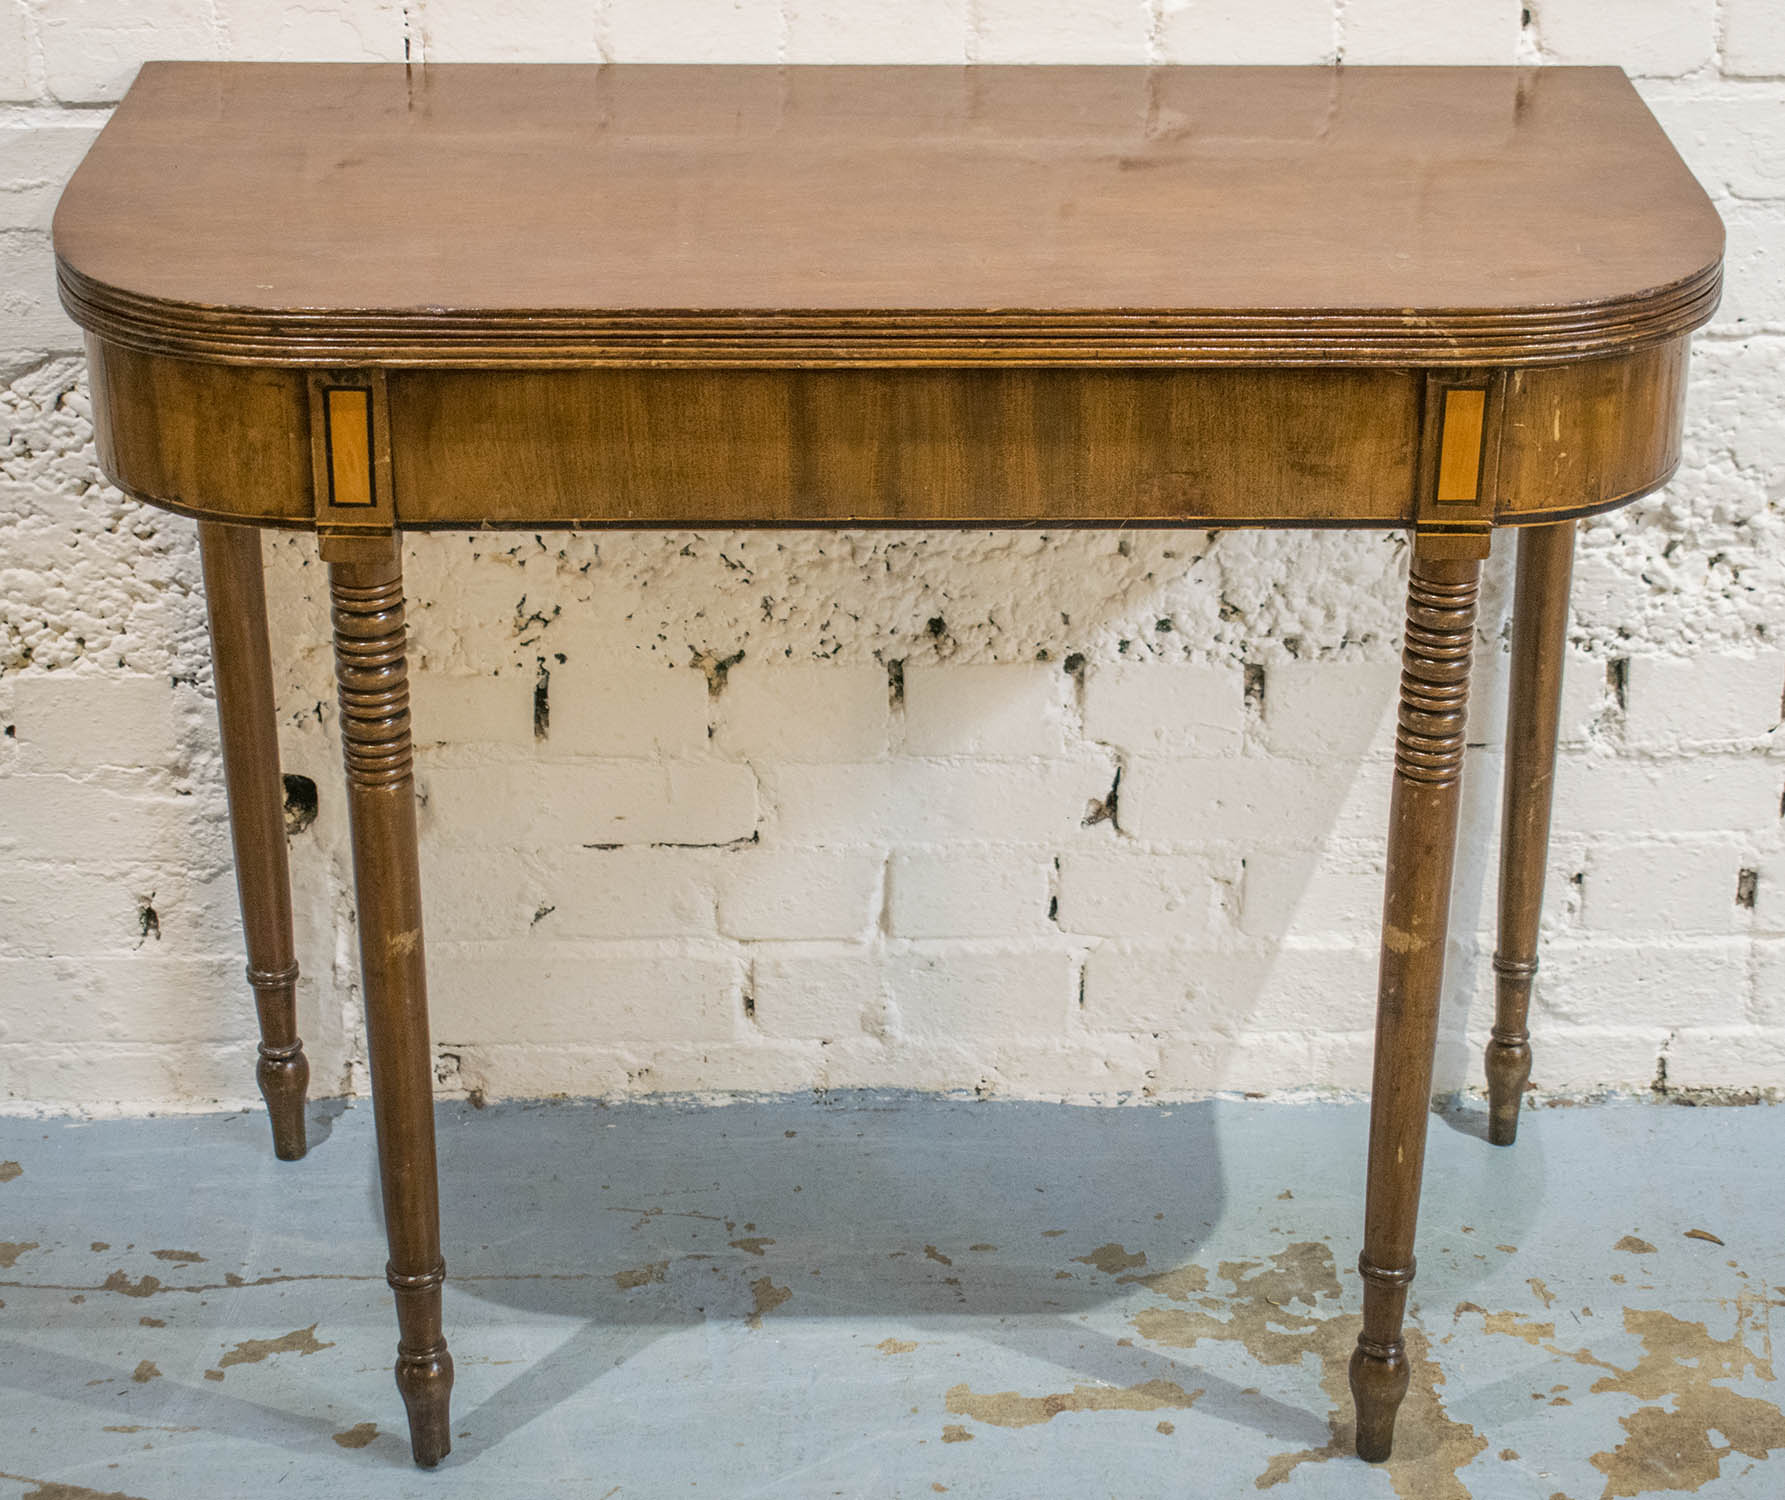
<point>491,339</point>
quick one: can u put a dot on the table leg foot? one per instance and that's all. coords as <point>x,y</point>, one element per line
<point>283,1074</point>
<point>241,665</point>
<point>1539,635</point>
<point>1379,1379</point>
<point>1423,816</point>
<point>424,1365</point>
<point>371,669</point>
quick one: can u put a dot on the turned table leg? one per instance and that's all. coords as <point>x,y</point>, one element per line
<point>1422,829</point>
<point>373,677</point>
<point>1539,630</point>
<point>241,666</point>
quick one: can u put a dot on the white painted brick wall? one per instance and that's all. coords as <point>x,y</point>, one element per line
<point>1069,815</point>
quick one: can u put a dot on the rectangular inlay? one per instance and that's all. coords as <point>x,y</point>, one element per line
<point>1459,448</point>
<point>349,435</point>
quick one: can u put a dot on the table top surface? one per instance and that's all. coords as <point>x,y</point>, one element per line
<point>321,212</point>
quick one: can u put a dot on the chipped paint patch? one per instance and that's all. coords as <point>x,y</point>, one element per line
<point>179,1257</point>
<point>1673,1449</point>
<point>895,1346</point>
<point>955,1433</point>
<point>1284,1309</point>
<point>1177,1285</point>
<point>10,1170</point>
<point>145,1372</point>
<point>11,1250</point>
<point>253,1351</point>
<point>1111,1258</point>
<point>768,1297</point>
<point>50,1489</point>
<point>643,1275</point>
<point>1634,1245</point>
<point>932,1253</point>
<point>358,1435</point>
<point>119,1282</point>
<point>1011,1409</point>
<point>751,1246</point>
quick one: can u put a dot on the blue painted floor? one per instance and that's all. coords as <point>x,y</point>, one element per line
<point>894,1296</point>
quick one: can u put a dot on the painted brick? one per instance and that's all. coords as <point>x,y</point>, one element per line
<point>50,818</point>
<point>692,31</point>
<point>1322,710</point>
<point>1769,983</point>
<point>1123,893</point>
<point>37,157</point>
<point>1076,1071</point>
<point>1587,699</point>
<point>597,802</point>
<point>1166,708</point>
<point>1700,1057</point>
<point>1309,893</point>
<point>1769,893</point>
<point>35,320</point>
<point>803,712</point>
<point>931,801</point>
<point>63,910</point>
<point>136,1076</point>
<point>91,48</point>
<point>965,894</point>
<point>1637,889</point>
<point>612,993</point>
<point>1753,267</point>
<point>1087,31</point>
<point>139,997</point>
<point>500,31</point>
<point>840,31</point>
<point>1582,983</point>
<point>471,710</point>
<point>760,1065</point>
<point>822,994</point>
<point>1217,1062</point>
<point>1735,145</point>
<point>1659,38</point>
<point>1014,711</point>
<point>615,708</point>
<point>1177,989</point>
<point>1255,800</point>
<point>79,722</point>
<point>554,894</point>
<point>1232,31</point>
<point>15,54</point>
<point>1571,1058</point>
<point>972,993</point>
<point>1598,795</point>
<point>1753,38</point>
<point>773,893</point>
<point>1415,31</point>
<point>359,30</point>
<point>1706,699</point>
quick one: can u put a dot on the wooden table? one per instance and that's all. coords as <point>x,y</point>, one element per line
<point>360,300</point>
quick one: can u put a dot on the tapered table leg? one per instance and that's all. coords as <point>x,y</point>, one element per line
<point>372,674</point>
<point>1539,631</point>
<point>241,666</point>
<point>1422,829</point>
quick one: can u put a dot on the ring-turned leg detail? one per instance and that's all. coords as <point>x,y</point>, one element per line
<point>372,674</point>
<point>1539,631</point>
<point>1441,597</point>
<point>242,669</point>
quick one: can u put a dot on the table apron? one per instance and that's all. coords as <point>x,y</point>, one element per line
<point>873,446</point>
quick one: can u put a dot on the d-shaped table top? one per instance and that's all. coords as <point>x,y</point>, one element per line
<point>636,215</point>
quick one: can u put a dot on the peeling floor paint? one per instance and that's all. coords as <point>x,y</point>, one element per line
<point>1154,1299</point>
<point>1009,1409</point>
